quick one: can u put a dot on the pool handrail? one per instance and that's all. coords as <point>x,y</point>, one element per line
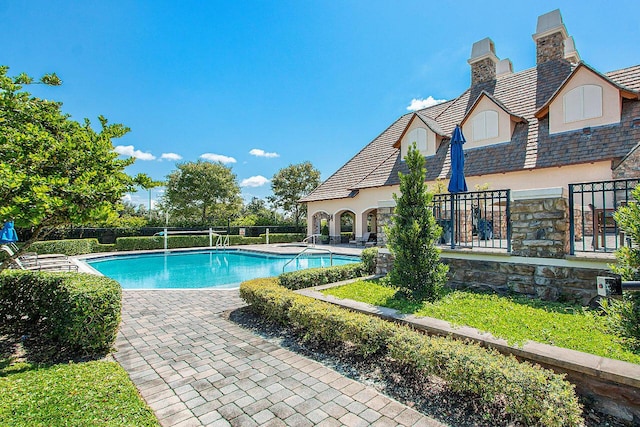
<point>310,249</point>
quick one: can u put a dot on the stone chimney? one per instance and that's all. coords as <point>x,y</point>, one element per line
<point>552,40</point>
<point>483,61</point>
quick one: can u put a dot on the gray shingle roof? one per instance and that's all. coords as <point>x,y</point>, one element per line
<point>522,94</point>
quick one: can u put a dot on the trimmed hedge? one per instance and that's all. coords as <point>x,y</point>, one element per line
<point>67,247</point>
<point>321,276</point>
<point>370,259</point>
<point>530,393</point>
<point>71,313</point>
<point>283,237</point>
<point>173,242</point>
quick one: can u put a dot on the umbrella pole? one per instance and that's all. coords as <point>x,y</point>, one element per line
<point>453,222</point>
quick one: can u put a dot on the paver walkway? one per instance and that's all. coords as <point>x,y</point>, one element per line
<point>195,368</point>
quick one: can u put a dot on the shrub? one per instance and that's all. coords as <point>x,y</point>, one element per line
<point>283,237</point>
<point>417,271</point>
<point>321,276</point>
<point>532,394</point>
<point>70,313</point>
<point>623,319</point>
<point>67,247</point>
<point>370,260</point>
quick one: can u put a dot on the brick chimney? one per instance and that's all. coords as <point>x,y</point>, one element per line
<point>552,40</point>
<point>483,61</point>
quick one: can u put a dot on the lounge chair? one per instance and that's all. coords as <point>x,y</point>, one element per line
<point>34,262</point>
<point>361,241</point>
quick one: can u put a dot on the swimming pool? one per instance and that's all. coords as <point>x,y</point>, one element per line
<point>203,269</point>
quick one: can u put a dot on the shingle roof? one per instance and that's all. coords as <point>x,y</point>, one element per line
<point>521,94</point>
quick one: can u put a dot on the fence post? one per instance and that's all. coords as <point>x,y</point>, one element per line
<point>572,223</point>
<point>210,237</point>
<point>267,235</point>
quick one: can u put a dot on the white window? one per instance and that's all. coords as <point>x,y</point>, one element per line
<point>419,136</point>
<point>583,102</point>
<point>485,125</point>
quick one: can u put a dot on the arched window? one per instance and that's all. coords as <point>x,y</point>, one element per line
<point>485,125</point>
<point>583,102</point>
<point>419,136</point>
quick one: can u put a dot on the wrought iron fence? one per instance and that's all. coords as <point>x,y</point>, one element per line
<point>592,226</point>
<point>474,219</point>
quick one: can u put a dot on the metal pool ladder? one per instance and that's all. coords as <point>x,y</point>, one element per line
<point>310,249</point>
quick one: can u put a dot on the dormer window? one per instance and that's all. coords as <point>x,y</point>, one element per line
<point>582,103</point>
<point>419,136</point>
<point>485,125</point>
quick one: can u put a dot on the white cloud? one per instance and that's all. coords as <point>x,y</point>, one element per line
<point>218,158</point>
<point>254,181</point>
<point>261,153</point>
<point>171,156</point>
<point>419,104</point>
<point>130,151</point>
<point>126,197</point>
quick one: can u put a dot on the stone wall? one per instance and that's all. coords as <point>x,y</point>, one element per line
<point>629,167</point>
<point>483,71</point>
<point>383,219</point>
<point>540,228</point>
<point>550,47</point>
<point>545,282</point>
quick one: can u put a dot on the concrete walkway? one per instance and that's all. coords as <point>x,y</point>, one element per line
<point>195,368</point>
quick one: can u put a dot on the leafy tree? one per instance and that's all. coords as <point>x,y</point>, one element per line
<point>417,271</point>
<point>256,212</point>
<point>292,183</point>
<point>54,171</point>
<point>202,193</point>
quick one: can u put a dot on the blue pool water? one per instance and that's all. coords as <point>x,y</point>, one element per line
<point>219,269</point>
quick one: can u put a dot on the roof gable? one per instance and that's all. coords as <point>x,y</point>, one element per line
<point>624,92</point>
<point>427,121</point>
<point>484,94</point>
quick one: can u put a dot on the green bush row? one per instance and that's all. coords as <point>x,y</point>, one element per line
<point>530,393</point>
<point>87,246</point>
<point>67,247</point>
<point>321,276</point>
<point>70,313</point>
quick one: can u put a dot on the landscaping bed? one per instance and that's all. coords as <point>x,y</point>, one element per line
<point>516,319</point>
<point>428,395</point>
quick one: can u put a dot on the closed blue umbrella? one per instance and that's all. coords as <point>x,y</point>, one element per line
<point>8,233</point>
<point>457,184</point>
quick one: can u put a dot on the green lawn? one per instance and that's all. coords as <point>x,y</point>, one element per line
<point>97,393</point>
<point>516,319</point>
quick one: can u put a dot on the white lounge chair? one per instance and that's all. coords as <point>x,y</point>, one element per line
<point>34,262</point>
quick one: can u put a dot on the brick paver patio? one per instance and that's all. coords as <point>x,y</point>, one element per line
<point>195,368</point>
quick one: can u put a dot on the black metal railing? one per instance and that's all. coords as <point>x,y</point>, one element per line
<point>474,219</point>
<point>592,227</point>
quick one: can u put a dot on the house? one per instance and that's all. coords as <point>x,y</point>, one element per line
<point>559,122</point>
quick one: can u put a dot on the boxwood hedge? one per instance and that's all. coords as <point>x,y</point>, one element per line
<point>67,247</point>
<point>530,393</point>
<point>71,313</point>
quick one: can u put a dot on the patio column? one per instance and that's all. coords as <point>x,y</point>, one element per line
<point>540,223</point>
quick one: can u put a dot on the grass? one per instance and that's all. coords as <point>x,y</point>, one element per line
<point>514,318</point>
<point>96,393</point>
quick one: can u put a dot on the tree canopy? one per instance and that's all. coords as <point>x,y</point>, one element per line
<point>202,193</point>
<point>55,171</point>
<point>292,183</point>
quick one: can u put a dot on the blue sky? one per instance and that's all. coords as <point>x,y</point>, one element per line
<point>265,84</point>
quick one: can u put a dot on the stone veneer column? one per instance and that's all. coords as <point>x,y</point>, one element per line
<point>629,167</point>
<point>383,218</point>
<point>550,47</point>
<point>540,223</point>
